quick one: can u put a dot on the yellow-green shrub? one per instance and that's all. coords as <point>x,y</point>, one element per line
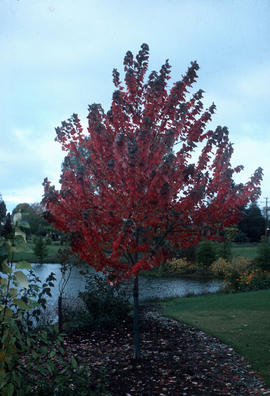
<point>240,264</point>
<point>178,265</point>
<point>224,268</point>
<point>241,274</point>
<point>220,267</point>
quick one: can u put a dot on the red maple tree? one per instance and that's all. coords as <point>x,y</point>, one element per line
<point>147,177</point>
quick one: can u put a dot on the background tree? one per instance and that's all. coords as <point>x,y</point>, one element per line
<point>39,225</point>
<point>3,212</point>
<point>127,198</point>
<point>3,209</point>
<point>252,223</point>
<point>34,215</point>
<point>7,230</point>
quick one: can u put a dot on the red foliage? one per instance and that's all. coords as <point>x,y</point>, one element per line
<point>130,191</point>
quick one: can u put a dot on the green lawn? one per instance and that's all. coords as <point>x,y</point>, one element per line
<point>240,320</point>
<point>245,250</point>
<point>29,255</point>
<point>248,251</point>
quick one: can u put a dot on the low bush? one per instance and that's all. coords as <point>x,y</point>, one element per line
<point>220,267</point>
<point>249,280</point>
<point>223,268</point>
<point>105,306</point>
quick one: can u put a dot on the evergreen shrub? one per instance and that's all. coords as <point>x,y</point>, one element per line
<point>206,253</point>
<point>262,260</point>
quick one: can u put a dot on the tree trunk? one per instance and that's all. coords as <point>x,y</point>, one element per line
<point>137,352</point>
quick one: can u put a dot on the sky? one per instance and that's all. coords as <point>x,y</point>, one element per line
<point>57,58</point>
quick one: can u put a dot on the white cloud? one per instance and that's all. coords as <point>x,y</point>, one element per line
<point>28,194</point>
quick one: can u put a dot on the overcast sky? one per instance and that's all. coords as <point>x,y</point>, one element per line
<point>57,57</point>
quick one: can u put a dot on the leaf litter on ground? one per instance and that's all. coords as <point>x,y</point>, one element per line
<point>175,360</point>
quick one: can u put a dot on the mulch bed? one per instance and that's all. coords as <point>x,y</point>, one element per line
<point>175,360</point>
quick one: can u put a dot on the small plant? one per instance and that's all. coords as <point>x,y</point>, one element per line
<point>224,249</point>
<point>40,248</point>
<point>67,260</point>
<point>48,241</point>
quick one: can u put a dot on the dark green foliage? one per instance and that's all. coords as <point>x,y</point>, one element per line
<point>249,281</point>
<point>39,292</point>
<point>241,237</point>
<point>48,241</point>
<point>187,252</point>
<point>59,376</point>
<point>40,248</point>
<point>206,253</point>
<point>7,230</point>
<point>252,223</point>
<point>3,210</point>
<point>262,259</point>
<point>224,250</point>
<point>259,281</point>
<point>106,306</point>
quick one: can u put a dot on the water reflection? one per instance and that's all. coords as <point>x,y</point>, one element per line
<point>150,288</point>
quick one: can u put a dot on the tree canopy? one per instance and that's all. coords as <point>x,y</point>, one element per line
<point>133,185</point>
<point>252,223</point>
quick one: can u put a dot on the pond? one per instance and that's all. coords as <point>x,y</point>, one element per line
<point>150,288</point>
